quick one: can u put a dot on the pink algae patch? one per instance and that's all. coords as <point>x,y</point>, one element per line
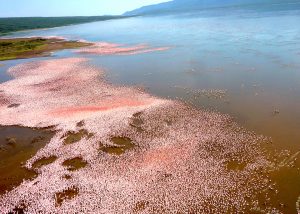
<point>101,48</point>
<point>69,111</point>
<point>65,87</point>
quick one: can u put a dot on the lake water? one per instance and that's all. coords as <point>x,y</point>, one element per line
<point>242,63</point>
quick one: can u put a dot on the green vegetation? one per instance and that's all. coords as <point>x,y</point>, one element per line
<point>8,25</point>
<point>33,47</point>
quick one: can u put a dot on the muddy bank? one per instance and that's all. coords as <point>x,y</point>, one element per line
<point>17,145</point>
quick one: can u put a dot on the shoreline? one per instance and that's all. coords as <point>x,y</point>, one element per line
<point>31,47</point>
<point>147,145</point>
<point>146,150</point>
<point>56,22</point>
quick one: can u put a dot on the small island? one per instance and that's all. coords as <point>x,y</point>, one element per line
<point>22,48</point>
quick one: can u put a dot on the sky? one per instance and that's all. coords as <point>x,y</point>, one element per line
<point>25,8</point>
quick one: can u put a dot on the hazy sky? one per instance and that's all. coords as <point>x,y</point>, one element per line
<point>14,8</point>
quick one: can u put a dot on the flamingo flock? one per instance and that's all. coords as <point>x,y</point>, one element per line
<point>178,164</point>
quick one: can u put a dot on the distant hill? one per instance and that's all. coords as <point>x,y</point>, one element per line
<point>8,25</point>
<point>188,5</point>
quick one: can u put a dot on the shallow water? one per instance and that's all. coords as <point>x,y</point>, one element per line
<point>17,145</point>
<point>240,52</point>
<point>252,58</point>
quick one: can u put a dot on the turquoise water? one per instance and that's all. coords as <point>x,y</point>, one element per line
<point>252,58</point>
